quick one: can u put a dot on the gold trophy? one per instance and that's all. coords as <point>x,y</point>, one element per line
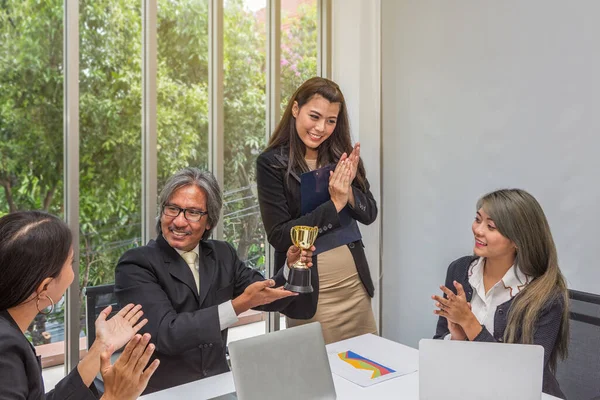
<point>299,277</point>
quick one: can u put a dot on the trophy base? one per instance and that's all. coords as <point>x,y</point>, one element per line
<point>299,281</point>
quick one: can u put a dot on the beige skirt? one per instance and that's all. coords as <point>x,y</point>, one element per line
<point>344,307</point>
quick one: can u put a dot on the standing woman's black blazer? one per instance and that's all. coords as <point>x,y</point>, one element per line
<point>21,370</point>
<point>279,199</point>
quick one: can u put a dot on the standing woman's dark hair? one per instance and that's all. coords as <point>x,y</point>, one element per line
<point>285,135</point>
<point>34,245</point>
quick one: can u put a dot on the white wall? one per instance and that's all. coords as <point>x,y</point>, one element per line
<point>356,68</point>
<point>479,95</point>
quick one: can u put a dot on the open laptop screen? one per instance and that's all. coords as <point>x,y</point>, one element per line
<point>458,370</point>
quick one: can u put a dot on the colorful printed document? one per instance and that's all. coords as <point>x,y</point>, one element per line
<point>362,370</point>
<point>359,362</point>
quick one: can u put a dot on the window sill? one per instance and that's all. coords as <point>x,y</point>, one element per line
<point>53,354</point>
<point>249,317</point>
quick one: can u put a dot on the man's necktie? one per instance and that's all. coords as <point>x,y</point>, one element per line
<point>190,259</point>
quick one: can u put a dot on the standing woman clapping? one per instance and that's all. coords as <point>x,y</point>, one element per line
<point>314,132</point>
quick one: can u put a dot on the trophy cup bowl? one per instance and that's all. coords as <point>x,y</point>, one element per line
<point>299,277</point>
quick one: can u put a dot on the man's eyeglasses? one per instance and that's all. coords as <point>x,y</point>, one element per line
<point>190,214</point>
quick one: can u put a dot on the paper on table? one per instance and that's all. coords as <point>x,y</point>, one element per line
<point>359,368</point>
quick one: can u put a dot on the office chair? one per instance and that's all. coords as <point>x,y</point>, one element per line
<point>97,298</point>
<point>579,374</point>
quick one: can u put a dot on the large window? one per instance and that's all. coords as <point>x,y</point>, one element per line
<point>111,80</point>
<point>244,92</point>
<point>244,110</point>
<point>31,127</point>
<point>110,142</point>
<point>182,81</point>
<point>299,45</point>
<point>244,49</point>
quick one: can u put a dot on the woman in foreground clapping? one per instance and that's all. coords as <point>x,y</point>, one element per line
<point>36,257</point>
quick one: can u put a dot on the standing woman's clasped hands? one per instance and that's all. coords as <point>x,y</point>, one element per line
<point>339,183</point>
<point>354,159</point>
<point>340,180</point>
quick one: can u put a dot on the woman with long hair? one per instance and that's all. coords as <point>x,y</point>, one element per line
<point>511,290</point>
<point>36,257</point>
<point>313,133</point>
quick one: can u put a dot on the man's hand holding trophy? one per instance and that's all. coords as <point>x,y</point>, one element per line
<point>298,279</point>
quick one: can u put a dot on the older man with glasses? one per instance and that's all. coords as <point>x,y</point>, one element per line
<point>192,288</point>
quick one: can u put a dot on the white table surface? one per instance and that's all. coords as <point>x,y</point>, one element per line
<point>404,387</point>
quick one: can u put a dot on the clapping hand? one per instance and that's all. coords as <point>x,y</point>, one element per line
<point>119,329</point>
<point>340,180</point>
<point>339,183</point>
<point>354,159</point>
<point>128,377</point>
<point>454,307</point>
<point>456,331</point>
<point>462,323</point>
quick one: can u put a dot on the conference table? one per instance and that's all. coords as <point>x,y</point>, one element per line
<point>402,387</point>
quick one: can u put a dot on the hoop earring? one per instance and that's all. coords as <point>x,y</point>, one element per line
<point>37,305</point>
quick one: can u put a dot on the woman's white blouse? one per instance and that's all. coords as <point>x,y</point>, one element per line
<point>484,304</point>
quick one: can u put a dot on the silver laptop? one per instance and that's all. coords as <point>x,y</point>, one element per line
<point>291,364</point>
<point>458,370</point>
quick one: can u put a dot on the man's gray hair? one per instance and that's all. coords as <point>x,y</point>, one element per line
<point>203,180</point>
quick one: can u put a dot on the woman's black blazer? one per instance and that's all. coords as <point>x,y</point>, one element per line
<point>279,199</point>
<point>21,370</point>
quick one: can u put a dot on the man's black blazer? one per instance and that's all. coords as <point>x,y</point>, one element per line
<point>280,207</point>
<point>184,324</point>
<point>21,370</point>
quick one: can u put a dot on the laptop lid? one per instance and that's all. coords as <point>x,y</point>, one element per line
<point>291,364</point>
<point>458,370</point>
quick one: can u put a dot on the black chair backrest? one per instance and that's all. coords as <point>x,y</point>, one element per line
<point>97,298</point>
<point>579,374</point>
